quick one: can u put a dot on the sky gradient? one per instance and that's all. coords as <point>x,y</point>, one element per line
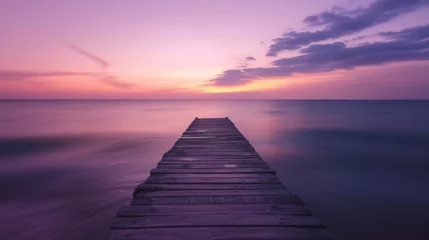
<point>271,49</point>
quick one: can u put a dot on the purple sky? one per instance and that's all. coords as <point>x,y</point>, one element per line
<point>297,49</point>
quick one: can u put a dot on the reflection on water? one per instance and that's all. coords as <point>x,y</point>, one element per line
<point>67,166</point>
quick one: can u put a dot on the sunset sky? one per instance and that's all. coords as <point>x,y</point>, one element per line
<point>252,49</point>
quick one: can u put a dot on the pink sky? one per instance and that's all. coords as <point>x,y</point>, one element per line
<point>172,49</point>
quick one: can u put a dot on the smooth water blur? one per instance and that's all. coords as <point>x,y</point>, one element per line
<point>67,166</point>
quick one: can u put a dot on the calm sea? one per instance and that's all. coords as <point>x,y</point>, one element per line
<point>66,167</point>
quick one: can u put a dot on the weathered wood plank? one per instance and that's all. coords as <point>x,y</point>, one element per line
<point>149,210</point>
<point>201,151</point>
<point>208,153</point>
<point>207,139</point>
<point>283,199</point>
<point>209,162</point>
<point>210,147</point>
<point>190,158</point>
<point>209,180</point>
<point>169,187</point>
<point>210,140</point>
<point>236,150</point>
<point>217,220</point>
<point>213,134</point>
<point>213,175</point>
<point>215,166</point>
<point>206,171</point>
<point>223,233</point>
<point>214,193</point>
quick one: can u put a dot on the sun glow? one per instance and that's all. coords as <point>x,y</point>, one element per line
<point>251,87</point>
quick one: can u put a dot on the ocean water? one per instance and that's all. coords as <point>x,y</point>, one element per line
<point>66,167</point>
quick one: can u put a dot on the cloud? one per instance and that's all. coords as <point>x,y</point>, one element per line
<point>101,62</point>
<point>115,82</point>
<point>232,77</point>
<point>408,34</point>
<point>410,44</point>
<point>339,22</point>
<point>102,77</point>
<point>358,38</point>
<point>250,58</point>
<point>243,65</point>
<point>11,75</point>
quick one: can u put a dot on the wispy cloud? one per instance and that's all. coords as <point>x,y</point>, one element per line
<point>10,75</point>
<point>250,58</point>
<point>115,82</point>
<point>339,22</point>
<point>101,62</point>
<point>243,65</point>
<point>104,78</point>
<point>30,76</point>
<point>408,34</point>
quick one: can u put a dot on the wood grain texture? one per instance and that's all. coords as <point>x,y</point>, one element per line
<point>283,199</point>
<point>223,233</point>
<point>209,162</point>
<point>167,187</point>
<point>209,180</point>
<point>215,193</point>
<point>211,175</point>
<point>148,210</point>
<point>217,220</point>
<point>212,166</point>
<point>212,170</point>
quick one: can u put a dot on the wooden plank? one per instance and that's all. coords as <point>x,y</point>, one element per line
<point>209,180</point>
<point>151,210</point>
<point>283,199</point>
<point>211,155</point>
<point>218,130</point>
<point>216,220</point>
<point>197,152</point>
<point>223,233</point>
<point>208,145</point>
<point>169,187</point>
<point>209,162</point>
<point>205,153</point>
<point>210,140</point>
<point>213,193</point>
<point>218,138</point>
<point>212,158</point>
<point>212,134</point>
<point>236,151</point>
<point>205,171</point>
<point>198,159</point>
<point>212,130</point>
<point>190,158</point>
<point>212,147</point>
<point>212,150</point>
<point>217,166</point>
<point>213,175</point>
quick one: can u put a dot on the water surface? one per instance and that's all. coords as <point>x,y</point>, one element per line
<point>67,166</point>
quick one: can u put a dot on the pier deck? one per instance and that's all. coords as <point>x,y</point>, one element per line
<point>213,185</point>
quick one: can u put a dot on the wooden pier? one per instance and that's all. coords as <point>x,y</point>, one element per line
<point>213,185</point>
